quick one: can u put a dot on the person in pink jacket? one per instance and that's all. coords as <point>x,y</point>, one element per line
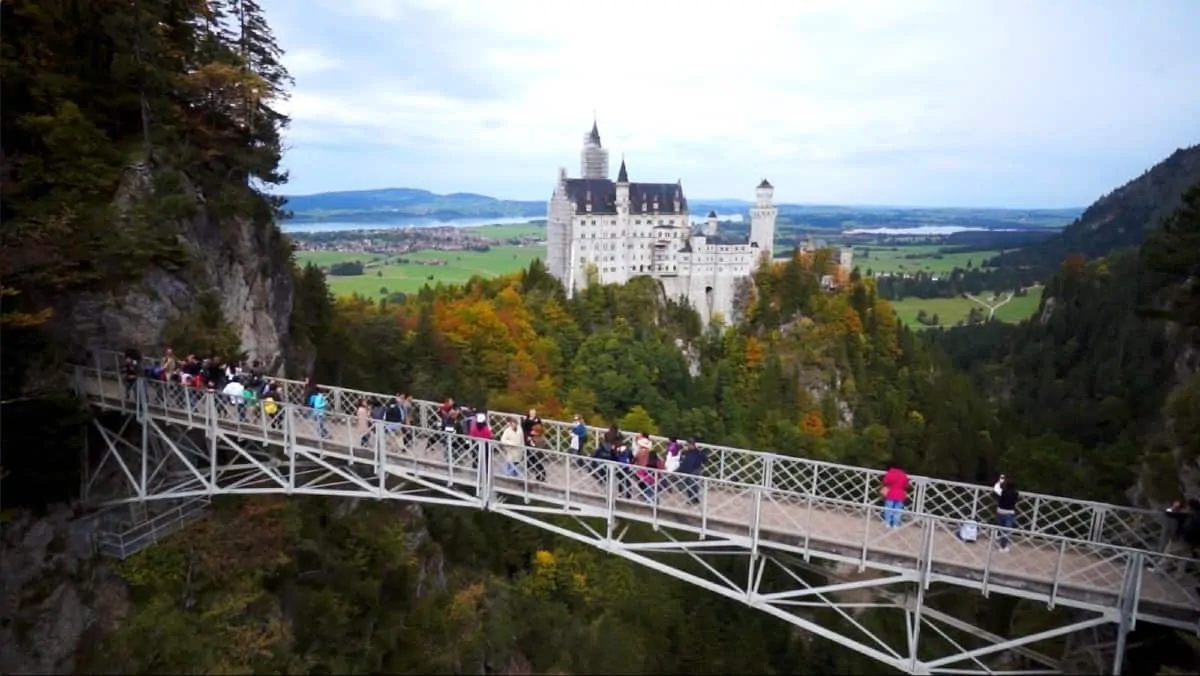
<point>895,492</point>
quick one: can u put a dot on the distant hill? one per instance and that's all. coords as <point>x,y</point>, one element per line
<point>396,204</point>
<point>1119,219</point>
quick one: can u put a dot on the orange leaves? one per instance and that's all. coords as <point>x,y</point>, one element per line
<point>851,324</point>
<point>467,602</point>
<point>754,353</point>
<point>813,424</point>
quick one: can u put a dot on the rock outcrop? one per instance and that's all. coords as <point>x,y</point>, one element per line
<point>54,596</point>
<point>243,265</point>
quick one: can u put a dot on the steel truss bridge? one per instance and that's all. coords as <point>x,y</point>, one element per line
<point>167,450</point>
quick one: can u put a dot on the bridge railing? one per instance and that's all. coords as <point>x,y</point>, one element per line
<point>137,536</point>
<point>1039,513</point>
<point>843,529</point>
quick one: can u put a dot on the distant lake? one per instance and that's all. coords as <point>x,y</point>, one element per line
<point>343,226</point>
<point>922,230</point>
<point>346,226</point>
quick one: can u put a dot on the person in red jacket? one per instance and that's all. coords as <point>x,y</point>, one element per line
<point>895,492</point>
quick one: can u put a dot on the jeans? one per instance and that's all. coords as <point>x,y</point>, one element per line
<point>891,512</point>
<point>1005,521</point>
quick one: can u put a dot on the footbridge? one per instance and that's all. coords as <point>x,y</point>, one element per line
<point>167,450</point>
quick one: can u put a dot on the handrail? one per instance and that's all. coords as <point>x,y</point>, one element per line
<point>1040,513</point>
<point>759,512</point>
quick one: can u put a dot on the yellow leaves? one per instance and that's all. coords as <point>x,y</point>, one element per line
<point>561,574</point>
<point>638,420</point>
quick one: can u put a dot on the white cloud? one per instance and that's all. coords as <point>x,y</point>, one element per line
<point>307,61</point>
<point>804,91</point>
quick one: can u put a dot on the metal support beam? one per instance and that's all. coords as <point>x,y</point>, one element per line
<point>774,512</point>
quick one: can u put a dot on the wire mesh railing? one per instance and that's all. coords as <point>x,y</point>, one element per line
<point>847,525</point>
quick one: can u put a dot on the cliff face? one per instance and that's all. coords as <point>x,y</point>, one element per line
<point>243,265</point>
<point>54,597</point>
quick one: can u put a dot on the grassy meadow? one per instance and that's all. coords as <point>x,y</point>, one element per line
<point>951,311</point>
<point>915,258</point>
<point>503,231</point>
<point>382,272</point>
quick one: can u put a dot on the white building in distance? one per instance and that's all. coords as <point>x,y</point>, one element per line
<point>612,231</point>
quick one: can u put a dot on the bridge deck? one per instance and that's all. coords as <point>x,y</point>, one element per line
<point>1071,571</point>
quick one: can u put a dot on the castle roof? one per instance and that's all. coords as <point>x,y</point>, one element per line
<point>765,184</point>
<point>644,198</point>
<point>594,137</point>
<point>622,175</point>
<point>712,214</point>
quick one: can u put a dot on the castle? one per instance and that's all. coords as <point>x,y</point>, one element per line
<point>610,231</point>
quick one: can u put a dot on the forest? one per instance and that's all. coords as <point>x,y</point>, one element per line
<point>1076,402</point>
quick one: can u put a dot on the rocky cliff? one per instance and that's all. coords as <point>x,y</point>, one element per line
<point>55,598</point>
<point>243,264</point>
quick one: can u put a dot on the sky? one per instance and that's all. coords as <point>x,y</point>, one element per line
<point>972,103</point>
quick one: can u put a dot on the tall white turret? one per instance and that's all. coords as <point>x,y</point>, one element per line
<point>622,190</point>
<point>593,159</point>
<point>762,218</point>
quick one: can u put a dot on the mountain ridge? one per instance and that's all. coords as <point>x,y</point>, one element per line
<point>388,204</point>
<point>1120,218</point>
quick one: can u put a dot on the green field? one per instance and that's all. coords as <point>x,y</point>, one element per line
<point>383,273</point>
<point>509,231</point>
<point>924,258</point>
<point>951,311</point>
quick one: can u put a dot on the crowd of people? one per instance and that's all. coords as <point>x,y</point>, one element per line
<point>523,445</point>
<point>244,387</point>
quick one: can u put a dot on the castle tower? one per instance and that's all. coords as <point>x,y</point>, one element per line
<point>762,218</point>
<point>846,260</point>
<point>559,233</point>
<point>622,190</point>
<point>710,225</point>
<point>593,159</point>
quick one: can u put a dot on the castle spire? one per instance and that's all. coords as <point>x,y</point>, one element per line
<point>622,175</point>
<point>595,134</point>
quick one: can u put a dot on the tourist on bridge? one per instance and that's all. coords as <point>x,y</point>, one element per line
<point>579,432</point>
<point>362,423</point>
<point>1183,539</point>
<point>513,447</point>
<point>319,403</point>
<point>1006,508</point>
<point>535,457</point>
<point>235,392</point>
<point>691,465</point>
<point>530,421</point>
<point>895,492</point>
<point>450,422</point>
<point>170,366</point>
<point>129,371</point>
<point>480,430</point>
